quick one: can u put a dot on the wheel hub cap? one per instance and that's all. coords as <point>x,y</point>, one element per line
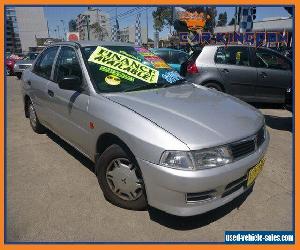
<point>32,115</point>
<point>122,179</point>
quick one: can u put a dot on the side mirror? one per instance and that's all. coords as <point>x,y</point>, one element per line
<point>70,83</point>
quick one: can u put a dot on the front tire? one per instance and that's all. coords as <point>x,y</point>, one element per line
<point>120,179</point>
<point>34,121</point>
<point>19,75</point>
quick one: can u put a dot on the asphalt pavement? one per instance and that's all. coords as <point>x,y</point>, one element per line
<point>53,194</point>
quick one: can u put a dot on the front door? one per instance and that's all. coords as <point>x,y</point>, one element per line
<point>274,73</point>
<point>70,106</point>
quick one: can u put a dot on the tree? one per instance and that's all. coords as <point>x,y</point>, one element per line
<point>222,19</point>
<point>232,21</point>
<point>162,16</point>
<point>72,26</point>
<point>100,32</point>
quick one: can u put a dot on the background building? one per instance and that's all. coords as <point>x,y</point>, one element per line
<point>127,34</point>
<point>31,24</point>
<point>12,38</point>
<point>98,27</point>
<point>276,24</point>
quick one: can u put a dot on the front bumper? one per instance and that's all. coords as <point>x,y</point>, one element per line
<point>167,188</point>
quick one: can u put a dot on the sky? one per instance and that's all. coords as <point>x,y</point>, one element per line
<point>60,16</point>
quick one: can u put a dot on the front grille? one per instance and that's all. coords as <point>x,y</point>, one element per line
<point>260,137</point>
<point>240,149</point>
<point>247,146</point>
<point>24,66</point>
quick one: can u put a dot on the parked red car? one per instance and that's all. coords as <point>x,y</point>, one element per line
<point>10,63</point>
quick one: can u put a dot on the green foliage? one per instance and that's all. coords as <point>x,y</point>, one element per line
<point>162,17</point>
<point>222,19</point>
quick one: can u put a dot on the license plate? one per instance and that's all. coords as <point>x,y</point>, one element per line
<point>254,172</point>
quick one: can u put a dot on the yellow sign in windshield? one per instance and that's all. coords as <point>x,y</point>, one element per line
<point>117,61</point>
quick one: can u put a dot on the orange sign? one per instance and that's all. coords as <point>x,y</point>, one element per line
<point>195,21</point>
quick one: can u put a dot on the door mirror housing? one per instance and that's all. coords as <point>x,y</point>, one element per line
<point>70,83</point>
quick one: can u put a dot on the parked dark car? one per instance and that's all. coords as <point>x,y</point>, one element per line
<point>252,74</point>
<point>173,57</point>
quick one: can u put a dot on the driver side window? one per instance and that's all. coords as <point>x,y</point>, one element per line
<point>270,60</point>
<point>67,64</point>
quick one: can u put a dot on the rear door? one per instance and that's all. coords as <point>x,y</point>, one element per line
<point>234,65</point>
<point>274,73</point>
<point>39,80</point>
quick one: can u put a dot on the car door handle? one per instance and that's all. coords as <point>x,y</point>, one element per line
<point>50,93</point>
<point>263,74</point>
<point>225,70</point>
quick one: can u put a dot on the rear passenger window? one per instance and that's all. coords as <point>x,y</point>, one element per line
<point>233,56</point>
<point>44,65</point>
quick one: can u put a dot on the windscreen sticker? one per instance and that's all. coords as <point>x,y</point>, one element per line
<point>117,61</point>
<point>112,80</point>
<point>141,49</point>
<point>117,73</point>
<point>171,76</point>
<point>131,56</point>
<point>152,58</point>
<point>160,65</point>
<point>144,54</point>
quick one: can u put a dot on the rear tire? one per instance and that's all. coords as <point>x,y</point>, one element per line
<point>19,75</point>
<point>34,121</point>
<point>213,85</point>
<point>120,179</point>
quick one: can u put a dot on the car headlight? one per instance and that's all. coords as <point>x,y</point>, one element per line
<point>198,159</point>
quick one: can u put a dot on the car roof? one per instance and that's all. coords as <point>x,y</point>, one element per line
<point>167,49</point>
<point>93,43</point>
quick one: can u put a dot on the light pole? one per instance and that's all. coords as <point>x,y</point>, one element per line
<point>58,32</point>
<point>64,27</point>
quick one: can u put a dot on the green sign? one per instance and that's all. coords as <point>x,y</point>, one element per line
<point>129,66</point>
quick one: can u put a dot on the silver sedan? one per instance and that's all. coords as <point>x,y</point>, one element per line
<point>155,138</point>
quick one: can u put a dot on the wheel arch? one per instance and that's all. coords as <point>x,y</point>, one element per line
<point>27,100</point>
<point>107,139</point>
<point>216,82</point>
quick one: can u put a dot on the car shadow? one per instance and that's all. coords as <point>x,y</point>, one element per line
<point>72,151</point>
<point>259,105</point>
<point>197,221</point>
<point>279,123</point>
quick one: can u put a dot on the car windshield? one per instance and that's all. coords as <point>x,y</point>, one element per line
<point>128,68</point>
<point>30,56</point>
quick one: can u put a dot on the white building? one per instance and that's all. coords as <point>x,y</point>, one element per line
<point>279,24</point>
<point>31,24</point>
<point>97,18</point>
